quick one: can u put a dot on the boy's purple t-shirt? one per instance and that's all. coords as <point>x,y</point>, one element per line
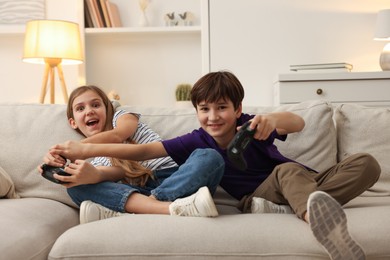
<point>261,158</point>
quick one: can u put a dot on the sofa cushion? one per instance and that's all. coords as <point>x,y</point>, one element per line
<point>237,236</point>
<point>171,237</point>
<point>168,122</point>
<point>29,227</point>
<point>27,132</point>
<point>365,129</point>
<point>314,146</point>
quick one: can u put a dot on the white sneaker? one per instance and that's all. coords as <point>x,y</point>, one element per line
<point>260,205</point>
<point>90,211</point>
<point>199,204</point>
<point>328,223</point>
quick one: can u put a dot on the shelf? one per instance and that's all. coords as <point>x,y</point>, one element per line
<point>138,30</point>
<point>12,29</point>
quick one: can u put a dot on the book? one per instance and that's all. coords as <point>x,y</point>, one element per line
<point>323,66</point>
<point>87,16</point>
<point>96,13</point>
<point>113,13</point>
<point>100,12</point>
<point>105,13</point>
<point>327,70</point>
<point>92,13</point>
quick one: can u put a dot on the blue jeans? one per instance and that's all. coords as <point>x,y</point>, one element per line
<point>204,167</point>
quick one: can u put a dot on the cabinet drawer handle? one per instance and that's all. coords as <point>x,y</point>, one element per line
<point>319,91</point>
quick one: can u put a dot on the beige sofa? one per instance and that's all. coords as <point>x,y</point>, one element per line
<point>44,223</point>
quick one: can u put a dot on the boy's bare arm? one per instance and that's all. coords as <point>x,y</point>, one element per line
<point>73,150</point>
<point>284,123</point>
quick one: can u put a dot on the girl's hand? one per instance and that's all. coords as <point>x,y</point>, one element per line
<point>53,160</point>
<point>82,172</point>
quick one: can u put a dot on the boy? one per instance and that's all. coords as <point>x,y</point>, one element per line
<point>272,183</point>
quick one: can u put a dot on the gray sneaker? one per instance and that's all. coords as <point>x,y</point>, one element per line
<point>328,223</point>
<point>199,204</point>
<point>260,205</point>
<point>90,211</point>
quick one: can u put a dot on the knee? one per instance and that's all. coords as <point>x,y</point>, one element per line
<point>212,163</point>
<point>283,173</point>
<point>209,156</point>
<point>73,194</point>
<point>372,169</point>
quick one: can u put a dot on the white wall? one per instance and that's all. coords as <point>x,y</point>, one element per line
<point>255,39</point>
<point>21,82</point>
<point>258,39</point>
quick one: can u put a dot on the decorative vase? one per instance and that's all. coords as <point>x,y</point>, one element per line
<point>143,20</point>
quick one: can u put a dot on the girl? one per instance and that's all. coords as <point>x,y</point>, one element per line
<point>146,187</point>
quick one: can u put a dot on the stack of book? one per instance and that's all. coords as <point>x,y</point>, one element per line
<point>324,67</point>
<point>101,13</point>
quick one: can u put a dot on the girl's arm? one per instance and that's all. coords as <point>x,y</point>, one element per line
<point>137,152</point>
<point>284,123</point>
<point>126,126</point>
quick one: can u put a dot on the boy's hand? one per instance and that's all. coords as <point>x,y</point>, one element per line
<point>71,150</point>
<point>264,125</point>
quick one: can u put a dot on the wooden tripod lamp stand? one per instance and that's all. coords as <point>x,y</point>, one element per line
<point>53,43</point>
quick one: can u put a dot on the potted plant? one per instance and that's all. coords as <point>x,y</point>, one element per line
<point>183,96</point>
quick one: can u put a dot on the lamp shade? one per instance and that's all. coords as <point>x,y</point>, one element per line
<point>52,39</point>
<point>382,29</point>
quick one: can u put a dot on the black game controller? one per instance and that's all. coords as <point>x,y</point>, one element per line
<point>238,145</point>
<point>49,170</point>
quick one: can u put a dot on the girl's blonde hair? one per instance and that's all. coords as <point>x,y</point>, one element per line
<point>135,173</point>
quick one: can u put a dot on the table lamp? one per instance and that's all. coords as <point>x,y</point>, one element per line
<point>382,33</point>
<point>53,43</point>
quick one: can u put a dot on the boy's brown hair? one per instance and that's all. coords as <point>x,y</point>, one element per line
<point>215,86</point>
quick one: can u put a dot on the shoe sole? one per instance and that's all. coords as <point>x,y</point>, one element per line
<point>82,213</point>
<point>84,208</point>
<point>328,223</point>
<point>209,209</point>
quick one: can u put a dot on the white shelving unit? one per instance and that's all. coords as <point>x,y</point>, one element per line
<point>148,61</point>
<point>131,30</point>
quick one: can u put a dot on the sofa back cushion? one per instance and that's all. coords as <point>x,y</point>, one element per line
<point>366,129</point>
<point>27,132</point>
<point>315,146</point>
